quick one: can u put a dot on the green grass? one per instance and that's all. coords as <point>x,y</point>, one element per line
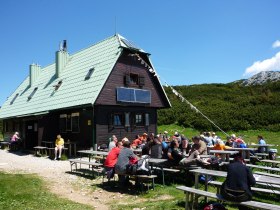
<point>21,191</point>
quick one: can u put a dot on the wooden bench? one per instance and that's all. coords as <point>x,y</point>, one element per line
<point>39,150</point>
<point>190,192</point>
<point>5,144</point>
<point>255,189</point>
<point>267,174</point>
<point>142,179</point>
<point>93,165</point>
<point>264,168</point>
<point>269,185</point>
<point>51,151</point>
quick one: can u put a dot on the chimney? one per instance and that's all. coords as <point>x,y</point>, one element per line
<point>34,72</point>
<point>61,59</point>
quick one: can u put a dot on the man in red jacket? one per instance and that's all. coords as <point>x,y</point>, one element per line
<point>111,160</point>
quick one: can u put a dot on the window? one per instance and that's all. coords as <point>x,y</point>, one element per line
<point>134,79</point>
<point>58,85</point>
<point>69,123</point>
<point>12,101</point>
<point>32,94</point>
<point>90,71</point>
<point>62,123</point>
<point>138,119</point>
<point>118,119</point>
<point>75,122</point>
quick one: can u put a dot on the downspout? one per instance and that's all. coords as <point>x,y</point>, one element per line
<point>94,143</point>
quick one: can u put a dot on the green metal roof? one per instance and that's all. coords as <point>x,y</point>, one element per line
<point>75,90</point>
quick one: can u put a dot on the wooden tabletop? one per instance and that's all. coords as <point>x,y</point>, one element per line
<point>259,178</point>
<point>93,152</point>
<point>223,152</point>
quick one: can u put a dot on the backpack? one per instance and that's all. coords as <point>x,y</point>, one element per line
<point>143,166</point>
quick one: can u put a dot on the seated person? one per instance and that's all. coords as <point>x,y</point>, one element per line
<point>185,145</point>
<point>111,160</point>
<point>146,149</point>
<point>112,143</point>
<point>59,144</point>
<point>137,142</point>
<point>174,154</point>
<point>156,148</point>
<point>237,186</point>
<point>125,157</point>
<point>261,141</point>
<point>219,145</point>
<point>15,140</point>
<point>199,148</point>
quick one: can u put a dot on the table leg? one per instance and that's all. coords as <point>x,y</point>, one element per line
<point>196,187</point>
<point>187,201</point>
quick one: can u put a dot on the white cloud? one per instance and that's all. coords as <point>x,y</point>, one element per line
<point>276,44</point>
<point>271,64</point>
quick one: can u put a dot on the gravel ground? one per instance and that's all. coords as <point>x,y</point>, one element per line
<point>71,186</point>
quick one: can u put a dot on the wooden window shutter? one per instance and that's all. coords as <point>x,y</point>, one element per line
<point>141,81</point>
<point>127,79</point>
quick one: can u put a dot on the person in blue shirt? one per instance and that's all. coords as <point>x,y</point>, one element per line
<point>261,149</point>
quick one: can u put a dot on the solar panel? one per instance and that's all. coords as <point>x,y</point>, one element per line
<point>143,96</point>
<point>132,95</point>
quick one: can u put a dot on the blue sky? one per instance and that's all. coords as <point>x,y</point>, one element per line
<point>190,41</point>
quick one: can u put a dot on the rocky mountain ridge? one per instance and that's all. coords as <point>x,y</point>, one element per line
<point>262,78</point>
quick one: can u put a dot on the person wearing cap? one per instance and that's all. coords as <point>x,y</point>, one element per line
<point>165,136</point>
<point>237,186</point>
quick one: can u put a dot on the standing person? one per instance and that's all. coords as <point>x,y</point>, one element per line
<point>59,144</point>
<point>237,186</point>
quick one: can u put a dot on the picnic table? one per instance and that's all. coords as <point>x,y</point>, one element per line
<point>93,152</point>
<point>224,152</point>
<point>206,172</point>
<point>158,163</point>
<point>244,151</point>
<point>266,146</point>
